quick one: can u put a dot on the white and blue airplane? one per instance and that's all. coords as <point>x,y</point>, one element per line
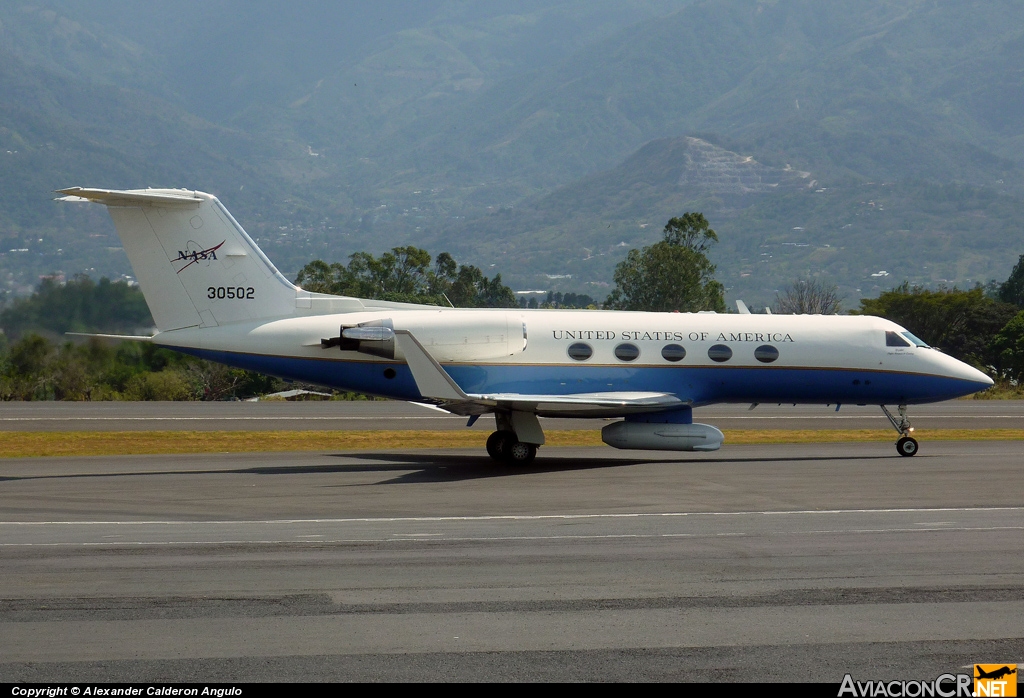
<point>215,295</point>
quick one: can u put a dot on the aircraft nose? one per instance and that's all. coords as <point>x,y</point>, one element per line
<point>976,376</point>
<point>970,375</point>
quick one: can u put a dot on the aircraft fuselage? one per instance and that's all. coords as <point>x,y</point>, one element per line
<point>702,358</point>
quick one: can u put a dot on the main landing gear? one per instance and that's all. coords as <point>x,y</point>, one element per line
<point>505,447</point>
<point>906,445</point>
<point>517,438</point>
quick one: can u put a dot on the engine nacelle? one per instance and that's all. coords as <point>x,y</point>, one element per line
<point>462,335</point>
<point>648,436</point>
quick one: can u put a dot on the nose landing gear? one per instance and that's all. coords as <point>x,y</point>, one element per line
<point>907,444</point>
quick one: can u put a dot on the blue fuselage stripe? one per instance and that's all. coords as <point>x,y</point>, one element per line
<point>700,384</point>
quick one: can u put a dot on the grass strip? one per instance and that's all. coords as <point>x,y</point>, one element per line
<point>26,444</point>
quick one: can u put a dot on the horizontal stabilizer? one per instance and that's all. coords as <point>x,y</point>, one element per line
<point>133,197</point>
<point>123,337</point>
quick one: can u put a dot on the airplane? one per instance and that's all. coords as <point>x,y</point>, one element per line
<point>214,294</point>
<point>994,674</point>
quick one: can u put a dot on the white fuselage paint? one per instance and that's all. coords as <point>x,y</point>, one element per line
<point>474,337</point>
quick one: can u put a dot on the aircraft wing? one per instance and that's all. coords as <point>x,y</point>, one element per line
<point>573,405</point>
<point>434,383</point>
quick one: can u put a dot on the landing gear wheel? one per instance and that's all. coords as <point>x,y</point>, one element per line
<point>499,443</point>
<point>521,454</point>
<point>906,446</point>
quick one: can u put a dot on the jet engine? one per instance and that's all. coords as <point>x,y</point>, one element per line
<point>447,336</point>
<point>662,437</point>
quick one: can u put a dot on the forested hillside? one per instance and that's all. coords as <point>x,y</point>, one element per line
<point>532,138</point>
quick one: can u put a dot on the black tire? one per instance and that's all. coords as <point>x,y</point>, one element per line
<point>520,454</point>
<point>906,446</point>
<point>498,444</point>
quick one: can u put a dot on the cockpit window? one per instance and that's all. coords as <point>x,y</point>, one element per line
<point>893,339</point>
<point>916,341</point>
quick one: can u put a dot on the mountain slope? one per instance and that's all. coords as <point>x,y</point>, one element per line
<point>775,225</point>
<point>890,88</point>
<point>539,133</point>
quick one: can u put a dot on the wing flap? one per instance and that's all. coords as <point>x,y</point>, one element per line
<point>582,404</point>
<point>609,404</point>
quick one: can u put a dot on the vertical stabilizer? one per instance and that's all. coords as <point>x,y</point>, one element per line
<point>193,261</point>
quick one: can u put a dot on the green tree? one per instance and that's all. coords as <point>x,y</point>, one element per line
<point>808,297</point>
<point>405,274</point>
<point>320,277</point>
<point>1009,345</point>
<point>1012,290</point>
<point>471,289</point>
<point>32,368</point>
<point>24,368</point>
<point>80,305</point>
<point>557,299</point>
<point>673,274</point>
<point>961,323</point>
<point>162,385</point>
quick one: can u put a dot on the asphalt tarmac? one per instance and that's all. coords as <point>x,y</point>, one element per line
<point>386,414</point>
<point>753,563</point>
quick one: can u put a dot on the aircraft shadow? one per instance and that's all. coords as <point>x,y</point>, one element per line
<point>442,468</point>
<point>446,467</point>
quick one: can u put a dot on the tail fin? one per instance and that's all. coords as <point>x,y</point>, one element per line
<point>194,263</point>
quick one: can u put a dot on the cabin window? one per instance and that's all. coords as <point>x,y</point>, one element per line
<point>627,352</point>
<point>719,353</point>
<point>580,351</point>
<point>673,352</point>
<point>766,353</point>
<point>892,339</point>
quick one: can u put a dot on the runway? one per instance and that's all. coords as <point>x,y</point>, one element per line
<point>386,414</point>
<point>795,562</point>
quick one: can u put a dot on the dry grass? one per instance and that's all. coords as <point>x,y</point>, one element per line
<point>1002,390</point>
<point>34,444</point>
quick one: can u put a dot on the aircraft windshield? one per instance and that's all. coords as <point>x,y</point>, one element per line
<point>914,340</point>
<point>894,340</point>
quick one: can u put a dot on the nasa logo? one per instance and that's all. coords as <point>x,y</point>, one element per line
<point>194,253</point>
